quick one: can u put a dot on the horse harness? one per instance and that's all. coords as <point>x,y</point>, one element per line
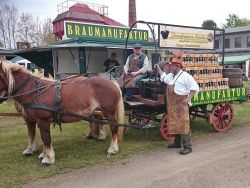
<point>56,109</point>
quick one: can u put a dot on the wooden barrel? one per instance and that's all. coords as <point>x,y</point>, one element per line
<point>234,75</point>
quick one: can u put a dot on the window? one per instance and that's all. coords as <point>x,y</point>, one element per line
<point>227,43</point>
<point>216,44</point>
<point>248,41</point>
<point>237,43</point>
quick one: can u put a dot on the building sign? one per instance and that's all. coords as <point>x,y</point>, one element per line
<point>104,32</point>
<point>184,37</point>
<point>221,95</point>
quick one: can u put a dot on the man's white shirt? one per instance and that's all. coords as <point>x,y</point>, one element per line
<point>183,82</point>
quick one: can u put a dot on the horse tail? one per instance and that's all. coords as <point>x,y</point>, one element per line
<point>120,113</point>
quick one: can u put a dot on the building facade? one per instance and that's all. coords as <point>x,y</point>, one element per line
<point>237,41</point>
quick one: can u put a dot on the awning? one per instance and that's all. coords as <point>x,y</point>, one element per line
<point>81,42</point>
<point>230,60</point>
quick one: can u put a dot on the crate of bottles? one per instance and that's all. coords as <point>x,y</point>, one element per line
<point>200,60</point>
<point>222,83</point>
<point>188,60</point>
<point>216,72</point>
<point>212,60</point>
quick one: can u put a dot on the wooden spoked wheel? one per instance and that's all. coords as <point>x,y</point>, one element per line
<point>222,116</point>
<point>137,120</point>
<point>164,130</point>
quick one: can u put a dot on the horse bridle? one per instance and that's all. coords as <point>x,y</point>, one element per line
<point>4,81</point>
<point>5,97</point>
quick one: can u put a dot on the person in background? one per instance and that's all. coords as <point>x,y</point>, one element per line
<point>47,74</point>
<point>111,62</point>
<point>134,69</point>
<point>180,90</point>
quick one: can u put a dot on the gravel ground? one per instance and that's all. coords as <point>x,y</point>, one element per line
<point>220,160</point>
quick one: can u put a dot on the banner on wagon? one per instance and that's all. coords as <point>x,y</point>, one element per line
<point>221,95</point>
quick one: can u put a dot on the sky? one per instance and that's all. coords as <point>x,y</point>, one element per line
<point>178,12</point>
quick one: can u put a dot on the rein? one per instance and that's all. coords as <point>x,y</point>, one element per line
<point>37,89</point>
<point>62,111</point>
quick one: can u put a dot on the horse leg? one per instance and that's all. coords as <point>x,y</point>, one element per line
<point>33,144</point>
<point>93,131</point>
<point>102,132</point>
<point>48,155</point>
<point>117,117</point>
<point>97,129</point>
<point>113,148</point>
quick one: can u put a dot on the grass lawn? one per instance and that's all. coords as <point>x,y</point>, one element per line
<point>73,151</point>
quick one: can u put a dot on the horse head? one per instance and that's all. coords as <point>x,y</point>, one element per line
<point>7,78</point>
<point>3,80</point>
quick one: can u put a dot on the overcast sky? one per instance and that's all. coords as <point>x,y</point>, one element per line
<point>179,12</point>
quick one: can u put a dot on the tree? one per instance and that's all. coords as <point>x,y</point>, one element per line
<point>48,36</point>
<point>235,21</point>
<point>26,28</point>
<point>37,35</point>
<point>209,24</point>
<point>23,28</point>
<point>8,22</point>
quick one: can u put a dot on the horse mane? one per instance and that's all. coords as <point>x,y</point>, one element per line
<point>8,67</point>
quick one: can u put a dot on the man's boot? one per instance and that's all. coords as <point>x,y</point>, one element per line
<point>177,142</point>
<point>187,147</point>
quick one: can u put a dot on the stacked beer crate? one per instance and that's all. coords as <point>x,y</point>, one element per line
<point>206,71</point>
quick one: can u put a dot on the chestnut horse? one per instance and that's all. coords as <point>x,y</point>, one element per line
<point>79,95</point>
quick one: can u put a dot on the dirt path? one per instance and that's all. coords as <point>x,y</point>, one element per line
<point>221,160</point>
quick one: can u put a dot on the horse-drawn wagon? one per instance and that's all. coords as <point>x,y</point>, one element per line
<point>218,89</point>
<point>216,106</point>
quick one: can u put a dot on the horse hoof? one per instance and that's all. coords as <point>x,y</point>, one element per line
<point>41,156</point>
<point>89,137</point>
<point>27,152</point>
<point>47,161</point>
<point>102,137</point>
<point>109,155</point>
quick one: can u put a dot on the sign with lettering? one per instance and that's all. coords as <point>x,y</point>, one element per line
<point>185,37</point>
<point>103,32</point>
<point>221,95</point>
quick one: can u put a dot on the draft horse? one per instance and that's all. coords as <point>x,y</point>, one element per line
<point>78,95</point>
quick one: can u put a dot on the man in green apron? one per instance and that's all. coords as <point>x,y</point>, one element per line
<point>181,88</point>
<point>135,68</point>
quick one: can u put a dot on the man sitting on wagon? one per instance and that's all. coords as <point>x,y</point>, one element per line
<point>135,69</point>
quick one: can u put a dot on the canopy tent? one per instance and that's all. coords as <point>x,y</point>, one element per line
<point>43,56</point>
<point>230,60</point>
<point>19,59</point>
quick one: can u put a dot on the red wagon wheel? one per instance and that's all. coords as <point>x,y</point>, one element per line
<point>137,120</point>
<point>163,128</point>
<point>222,116</point>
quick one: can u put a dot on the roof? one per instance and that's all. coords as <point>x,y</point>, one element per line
<point>235,30</point>
<point>19,59</point>
<point>82,12</point>
<point>5,51</point>
<point>81,42</point>
<point>229,60</point>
